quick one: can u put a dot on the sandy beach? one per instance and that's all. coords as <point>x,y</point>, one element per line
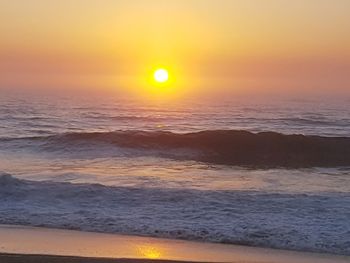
<point>29,244</point>
<point>11,258</point>
<point>16,258</point>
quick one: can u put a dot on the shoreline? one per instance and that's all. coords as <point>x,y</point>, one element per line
<point>17,258</point>
<point>23,244</point>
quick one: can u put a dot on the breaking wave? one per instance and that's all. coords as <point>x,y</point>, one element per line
<point>230,147</point>
<point>277,220</point>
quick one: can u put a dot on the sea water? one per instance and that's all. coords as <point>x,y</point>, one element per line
<point>63,166</point>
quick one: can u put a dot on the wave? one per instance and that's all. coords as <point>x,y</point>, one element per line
<point>131,117</point>
<point>288,221</point>
<point>320,121</point>
<point>229,147</point>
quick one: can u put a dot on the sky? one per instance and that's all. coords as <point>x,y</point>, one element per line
<point>210,47</point>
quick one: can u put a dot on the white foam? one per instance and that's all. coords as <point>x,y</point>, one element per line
<point>290,221</point>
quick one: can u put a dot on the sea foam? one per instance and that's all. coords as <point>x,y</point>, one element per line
<point>306,222</point>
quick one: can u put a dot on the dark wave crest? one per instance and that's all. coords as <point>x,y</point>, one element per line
<point>231,147</point>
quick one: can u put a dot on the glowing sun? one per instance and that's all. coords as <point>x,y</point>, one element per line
<point>161,75</point>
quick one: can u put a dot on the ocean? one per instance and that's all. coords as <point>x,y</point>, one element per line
<point>180,170</point>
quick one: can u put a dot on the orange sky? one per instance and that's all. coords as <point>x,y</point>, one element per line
<point>209,46</point>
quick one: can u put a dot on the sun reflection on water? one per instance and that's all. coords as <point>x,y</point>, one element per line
<point>149,252</point>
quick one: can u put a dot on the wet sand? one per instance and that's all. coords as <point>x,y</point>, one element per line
<point>13,258</point>
<point>29,244</point>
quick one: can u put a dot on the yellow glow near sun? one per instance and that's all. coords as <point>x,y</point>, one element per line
<point>161,75</point>
<point>161,82</point>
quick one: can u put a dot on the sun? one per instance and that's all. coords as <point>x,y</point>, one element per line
<point>161,75</point>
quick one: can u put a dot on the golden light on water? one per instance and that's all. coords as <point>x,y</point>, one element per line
<point>150,252</point>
